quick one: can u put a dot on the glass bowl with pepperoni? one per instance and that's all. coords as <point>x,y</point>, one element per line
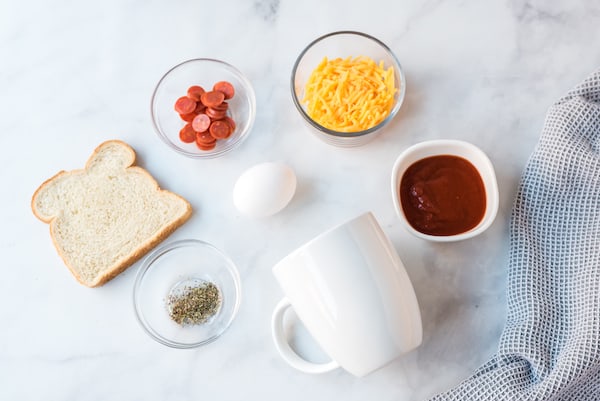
<point>203,108</point>
<point>347,86</point>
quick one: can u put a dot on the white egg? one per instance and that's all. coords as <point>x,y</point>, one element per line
<point>264,189</point>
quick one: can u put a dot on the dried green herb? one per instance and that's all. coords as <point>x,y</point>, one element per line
<point>194,304</point>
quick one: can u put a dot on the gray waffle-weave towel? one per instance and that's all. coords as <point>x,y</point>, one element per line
<point>550,346</point>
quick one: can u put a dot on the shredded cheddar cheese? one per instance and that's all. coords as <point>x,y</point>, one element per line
<point>349,95</point>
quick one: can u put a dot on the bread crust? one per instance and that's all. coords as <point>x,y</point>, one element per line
<point>143,248</point>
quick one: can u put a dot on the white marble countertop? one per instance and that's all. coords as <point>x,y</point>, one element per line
<point>74,74</point>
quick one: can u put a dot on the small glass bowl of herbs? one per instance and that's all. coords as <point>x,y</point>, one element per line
<point>186,293</point>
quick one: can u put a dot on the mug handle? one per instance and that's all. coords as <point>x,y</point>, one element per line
<point>286,351</point>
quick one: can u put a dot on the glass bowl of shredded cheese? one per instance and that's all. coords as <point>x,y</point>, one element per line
<point>347,86</point>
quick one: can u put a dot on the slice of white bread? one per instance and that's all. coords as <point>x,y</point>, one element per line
<point>106,216</point>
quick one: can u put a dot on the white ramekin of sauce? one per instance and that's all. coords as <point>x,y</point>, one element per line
<point>445,190</point>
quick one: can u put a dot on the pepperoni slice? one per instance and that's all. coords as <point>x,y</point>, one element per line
<point>205,138</point>
<point>203,146</point>
<point>187,134</point>
<point>215,114</point>
<point>212,98</point>
<point>201,122</point>
<point>226,88</point>
<point>230,121</point>
<point>188,117</point>
<point>222,107</point>
<point>195,92</point>
<point>185,105</point>
<point>199,108</point>
<point>220,129</point>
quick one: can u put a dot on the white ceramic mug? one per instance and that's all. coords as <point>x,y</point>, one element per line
<point>350,289</point>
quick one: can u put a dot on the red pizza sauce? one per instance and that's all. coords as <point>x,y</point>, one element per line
<point>442,195</point>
